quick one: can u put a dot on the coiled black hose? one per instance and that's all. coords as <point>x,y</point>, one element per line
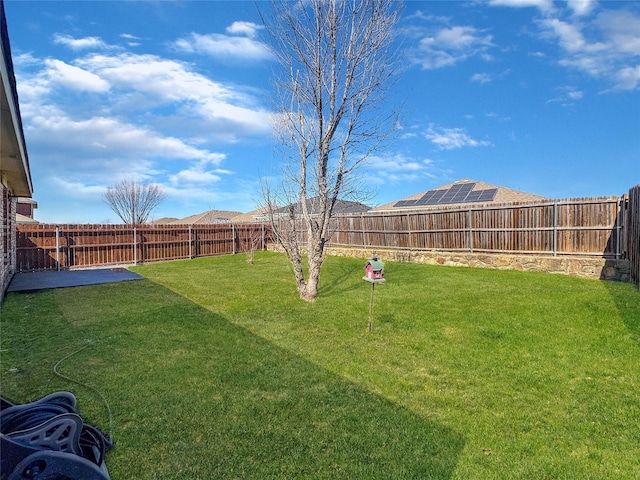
<point>34,424</point>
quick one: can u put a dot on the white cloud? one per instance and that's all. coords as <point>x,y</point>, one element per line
<point>155,81</point>
<point>199,172</point>
<point>570,36</point>
<point>249,29</point>
<point>621,30</point>
<point>223,46</point>
<point>449,46</point>
<point>457,38</point>
<point>495,116</point>
<point>131,40</point>
<point>481,78</point>
<point>162,78</point>
<point>568,96</point>
<point>74,77</point>
<point>398,163</point>
<point>628,78</point>
<point>80,43</point>
<point>106,148</point>
<point>398,168</point>
<point>194,176</point>
<point>542,5</point>
<point>582,7</point>
<point>452,138</point>
<point>608,47</point>
<point>76,189</point>
<point>128,36</point>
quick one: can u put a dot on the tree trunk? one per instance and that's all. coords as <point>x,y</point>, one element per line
<point>314,263</point>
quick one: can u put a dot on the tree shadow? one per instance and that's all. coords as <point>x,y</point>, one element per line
<point>627,300</point>
<point>625,295</point>
<point>268,412</point>
<point>342,278</point>
<point>196,396</point>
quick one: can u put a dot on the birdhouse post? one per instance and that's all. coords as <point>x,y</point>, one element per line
<point>374,273</point>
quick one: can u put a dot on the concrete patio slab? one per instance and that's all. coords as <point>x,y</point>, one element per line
<point>31,281</point>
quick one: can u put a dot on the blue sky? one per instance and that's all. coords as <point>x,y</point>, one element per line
<point>535,95</point>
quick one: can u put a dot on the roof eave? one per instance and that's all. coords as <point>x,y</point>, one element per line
<point>14,162</point>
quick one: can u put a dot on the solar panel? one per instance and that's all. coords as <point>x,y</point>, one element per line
<point>474,196</point>
<point>488,195</point>
<point>458,193</point>
<point>459,197</point>
<point>435,198</point>
<point>438,194</point>
<point>425,198</point>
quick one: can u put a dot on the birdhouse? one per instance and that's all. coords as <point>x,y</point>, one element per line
<point>374,270</point>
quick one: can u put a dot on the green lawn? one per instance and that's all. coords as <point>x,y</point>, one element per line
<point>213,368</point>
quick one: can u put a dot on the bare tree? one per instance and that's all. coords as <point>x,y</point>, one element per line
<point>134,201</point>
<point>337,62</point>
<point>254,240</point>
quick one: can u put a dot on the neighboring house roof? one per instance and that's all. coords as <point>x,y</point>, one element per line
<point>22,219</point>
<point>14,162</point>
<point>210,217</point>
<point>164,220</point>
<point>257,215</point>
<point>463,192</point>
<point>341,207</point>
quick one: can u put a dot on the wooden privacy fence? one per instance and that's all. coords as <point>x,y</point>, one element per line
<point>605,227</point>
<point>43,247</point>
<point>586,226</point>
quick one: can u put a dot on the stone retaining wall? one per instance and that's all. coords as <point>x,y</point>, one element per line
<point>589,267</point>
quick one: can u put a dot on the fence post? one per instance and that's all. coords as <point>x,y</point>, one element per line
<point>57,248</point>
<point>555,228</point>
<point>619,214</point>
<point>190,243</point>
<point>135,246</point>
<point>469,217</point>
<point>364,233</point>
<point>410,234</point>
<point>233,239</point>
<point>263,242</point>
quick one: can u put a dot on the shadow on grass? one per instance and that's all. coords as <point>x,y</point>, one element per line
<point>195,396</point>
<point>342,275</point>
<point>627,300</point>
<point>243,407</point>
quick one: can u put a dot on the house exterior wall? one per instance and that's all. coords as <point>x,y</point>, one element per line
<point>25,209</point>
<point>15,176</point>
<point>8,243</point>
